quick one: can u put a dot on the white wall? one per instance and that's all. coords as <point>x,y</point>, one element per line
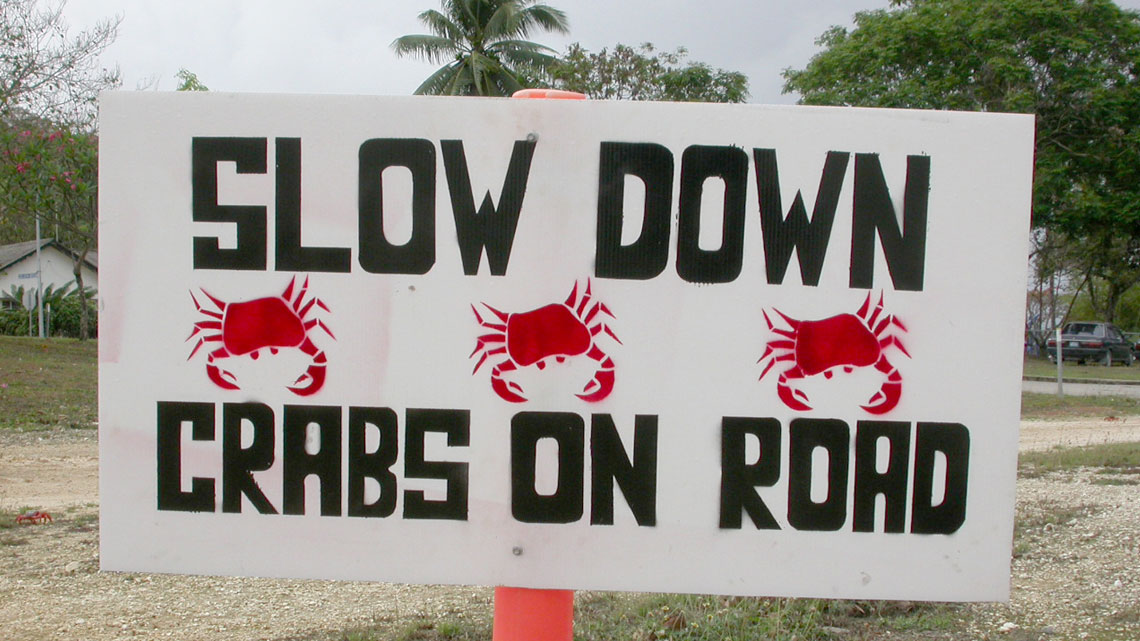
<point>57,271</point>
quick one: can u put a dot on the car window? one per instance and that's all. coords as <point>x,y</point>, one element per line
<point>1087,329</point>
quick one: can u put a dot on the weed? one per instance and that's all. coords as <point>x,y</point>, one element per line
<point>1119,456</point>
<point>1050,407</point>
<point>86,522</point>
<point>1074,372</point>
<point>47,384</point>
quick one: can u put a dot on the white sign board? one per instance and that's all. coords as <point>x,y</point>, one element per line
<point>554,344</point>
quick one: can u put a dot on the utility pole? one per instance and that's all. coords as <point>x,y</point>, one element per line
<point>39,279</point>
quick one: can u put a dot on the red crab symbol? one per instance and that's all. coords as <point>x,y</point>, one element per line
<point>271,323</point>
<point>558,330</point>
<point>847,341</point>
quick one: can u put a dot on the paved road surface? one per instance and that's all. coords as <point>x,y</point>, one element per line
<point>1082,389</point>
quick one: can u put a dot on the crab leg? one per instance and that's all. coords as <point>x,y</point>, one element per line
<point>888,395</point>
<point>792,397</point>
<point>314,375</point>
<point>502,386</point>
<point>221,377</point>
<point>603,380</point>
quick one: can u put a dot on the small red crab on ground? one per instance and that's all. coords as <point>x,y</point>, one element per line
<point>271,323</point>
<point>844,341</point>
<point>558,331</point>
<point>35,516</point>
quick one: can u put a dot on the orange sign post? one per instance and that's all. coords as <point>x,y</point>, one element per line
<point>523,614</point>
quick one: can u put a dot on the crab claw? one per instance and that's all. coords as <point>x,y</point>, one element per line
<point>604,381</point>
<point>314,378</point>
<point>502,387</point>
<point>792,396</point>
<point>887,397</point>
<point>221,377</point>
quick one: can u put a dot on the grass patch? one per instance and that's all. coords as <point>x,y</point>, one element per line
<point>418,628</point>
<point>47,384</point>
<point>604,616</point>
<point>1113,480</point>
<point>85,522</point>
<point>10,533</point>
<point>1049,407</point>
<point>1072,371</point>
<point>1121,457</point>
<point>1034,521</point>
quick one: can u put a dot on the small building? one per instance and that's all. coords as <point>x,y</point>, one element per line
<point>18,267</point>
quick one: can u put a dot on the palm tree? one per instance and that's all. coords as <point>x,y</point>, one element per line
<point>482,44</point>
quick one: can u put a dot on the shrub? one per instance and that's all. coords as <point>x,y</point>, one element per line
<point>13,322</point>
<point>65,318</point>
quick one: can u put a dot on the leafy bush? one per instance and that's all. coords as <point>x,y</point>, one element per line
<point>13,322</point>
<point>65,318</point>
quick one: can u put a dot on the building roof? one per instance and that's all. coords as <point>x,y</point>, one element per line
<point>14,253</point>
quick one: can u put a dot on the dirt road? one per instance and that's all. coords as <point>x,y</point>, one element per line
<point>50,586</point>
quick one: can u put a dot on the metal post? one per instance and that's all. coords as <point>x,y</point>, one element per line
<point>1060,366</point>
<point>39,280</point>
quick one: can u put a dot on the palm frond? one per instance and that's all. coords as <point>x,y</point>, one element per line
<point>520,57</point>
<point>437,83</point>
<point>546,18</point>
<point>505,22</point>
<point>431,48</point>
<point>441,25</point>
<point>482,44</point>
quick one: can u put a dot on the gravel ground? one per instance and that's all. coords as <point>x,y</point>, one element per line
<point>1074,571</point>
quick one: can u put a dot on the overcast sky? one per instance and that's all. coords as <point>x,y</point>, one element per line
<point>342,46</point>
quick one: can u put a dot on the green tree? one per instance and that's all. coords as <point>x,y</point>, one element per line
<point>626,73</point>
<point>482,45</point>
<point>188,81</point>
<point>47,72</point>
<point>1072,63</point>
<point>52,174</point>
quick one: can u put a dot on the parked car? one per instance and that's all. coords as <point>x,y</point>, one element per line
<point>1092,341</point>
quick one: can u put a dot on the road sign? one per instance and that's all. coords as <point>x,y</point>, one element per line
<point>562,344</point>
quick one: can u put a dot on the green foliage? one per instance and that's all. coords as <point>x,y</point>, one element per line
<point>65,318</point>
<point>51,174</point>
<point>62,304</point>
<point>626,73</point>
<point>13,322</point>
<point>1072,63</point>
<point>188,81</point>
<point>14,297</point>
<point>481,43</point>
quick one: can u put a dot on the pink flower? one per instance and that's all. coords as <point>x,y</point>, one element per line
<point>21,167</point>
